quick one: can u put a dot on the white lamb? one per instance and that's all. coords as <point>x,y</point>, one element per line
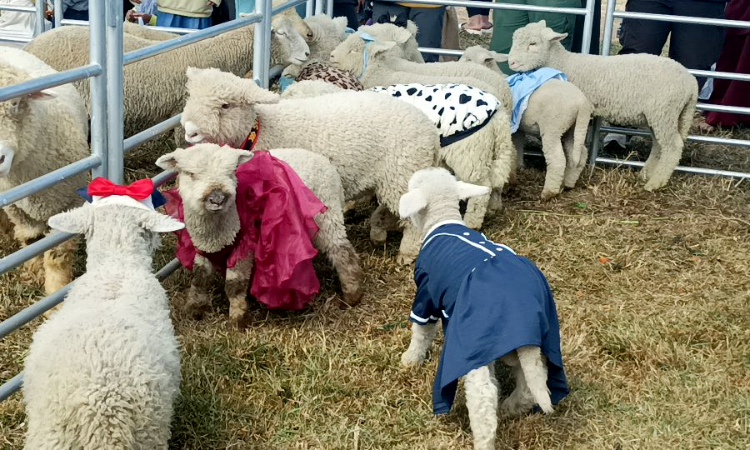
<point>635,90</point>
<point>311,88</point>
<point>327,33</point>
<point>559,113</point>
<point>493,304</point>
<point>39,133</point>
<point>407,43</point>
<point>104,371</point>
<point>211,218</point>
<point>222,108</point>
<point>154,88</point>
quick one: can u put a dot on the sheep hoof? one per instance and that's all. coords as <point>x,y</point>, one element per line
<point>405,260</point>
<point>239,322</point>
<point>197,308</point>
<point>512,408</point>
<point>548,194</point>
<point>652,185</point>
<point>378,235</point>
<point>411,359</point>
<point>351,299</point>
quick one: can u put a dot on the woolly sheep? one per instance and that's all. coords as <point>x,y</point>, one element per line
<point>556,110</point>
<point>409,48</point>
<point>40,133</point>
<point>223,108</point>
<point>327,33</point>
<point>104,371</point>
<point>383,68</point>
<point>154,88</point>
<point>310,88</point>
<point>635,90</point>
<point>211,166</point>
<point>492,301</point>
<point>146,32</point>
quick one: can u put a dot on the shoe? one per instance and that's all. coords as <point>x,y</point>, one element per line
<point>473,31</point>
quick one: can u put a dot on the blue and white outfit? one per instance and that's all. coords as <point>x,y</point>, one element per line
<point>491,302</point>
<point>522,85</point>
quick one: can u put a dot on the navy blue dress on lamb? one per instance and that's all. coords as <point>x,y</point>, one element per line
<point>491,302</point>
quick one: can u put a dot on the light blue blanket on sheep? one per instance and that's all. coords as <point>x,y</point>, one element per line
<point>522,85</point>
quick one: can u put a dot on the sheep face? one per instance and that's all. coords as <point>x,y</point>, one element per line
<point>299,25</point>
<point>480,55</point>
<point>531,46</point>
<point>293,47</point>
<point>351,54</point>
<point>208,184</point>
<point>219,107</point>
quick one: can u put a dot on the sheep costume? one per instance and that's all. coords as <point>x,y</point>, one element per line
<point>491,302</point>
<point>276,225</point>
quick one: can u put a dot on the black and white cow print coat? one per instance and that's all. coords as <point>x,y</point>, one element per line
<point>457,110</point>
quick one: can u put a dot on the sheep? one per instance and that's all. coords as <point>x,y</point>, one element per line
<point>635,90</point>
<point>311,88</point>
<point>211,166</point>
<point>104,371</point>
<point>556,110</point>
<point>376,63</point>
<point>222,108</point>
<point>493,305</point>
<point>154,88</point>
<point>39,133</point>
<point>146,32</point>
<point>327,34</point>
<point>409,48</point>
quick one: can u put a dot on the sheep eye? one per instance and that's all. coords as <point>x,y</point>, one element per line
<point>225,106</point>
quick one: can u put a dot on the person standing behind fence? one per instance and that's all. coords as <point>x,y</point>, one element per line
<point>693,46</point>
<point>479,21</point>
<point>429,20</point>
<point>508,21</point>
<point>348,9</point>
<point>195,14</point>
<point>75,9</point>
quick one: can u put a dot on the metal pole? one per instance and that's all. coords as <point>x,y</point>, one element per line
<point>588,26</point>
<point>115,107</point>
<point>329,8</point>
<point>98,87</point>
<point>58,12</point>
<point>310,8</point>
<point>319,7</point>
<point>262,43</point>
<point>39,26</point>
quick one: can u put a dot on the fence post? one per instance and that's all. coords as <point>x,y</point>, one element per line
<point>262,43</point>
<point>39,26</point>
<point>329,8</point>
<point>58,13</point>
<point>115,113</point>
<point>98,85</point>
<point>319,6</point>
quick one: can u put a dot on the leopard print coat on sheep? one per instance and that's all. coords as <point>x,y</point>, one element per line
<point>337,77</point>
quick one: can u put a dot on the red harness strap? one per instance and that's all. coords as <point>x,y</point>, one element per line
<point>252,138</point>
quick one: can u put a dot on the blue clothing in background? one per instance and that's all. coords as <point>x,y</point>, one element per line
<point>522,85</point>
<point>245,7</point>
<point>491,302</point>
<point>164,19</point>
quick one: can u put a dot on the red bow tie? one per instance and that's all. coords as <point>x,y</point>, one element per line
<point>102,187</point>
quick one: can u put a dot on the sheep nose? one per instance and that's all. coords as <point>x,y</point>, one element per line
<point>309,35</point>
<point>307,54</point>
<point>216,199</point>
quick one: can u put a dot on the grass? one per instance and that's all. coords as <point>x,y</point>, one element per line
<point>652,291</point>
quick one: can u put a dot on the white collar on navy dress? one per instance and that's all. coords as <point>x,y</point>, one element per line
<point>440,224</point>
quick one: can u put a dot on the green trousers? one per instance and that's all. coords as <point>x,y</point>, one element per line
<point>505,22</point>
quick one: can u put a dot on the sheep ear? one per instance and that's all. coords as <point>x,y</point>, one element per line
<point>75,221</point>
<point>380,47</point>
<point>498,57</point>
<point>41,95</point>
<point>254,94</point>
<point>243,156</point>
<point>412,27</point>
<point>159,223</point>
<point>468,190</point>
<point>411,203</point>
<point>340,23</point>
<point>543,23</point>
<point>402,35</point>
<point>550,35</point>
<point>168,161</point>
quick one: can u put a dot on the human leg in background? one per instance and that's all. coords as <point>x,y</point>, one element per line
<point>505,23</point>
<point>479,21</point>
<point>561,23</point>
<point>645,36</point>
<point>73,14</point>
<point>596,29</point>
<point>430,24</point>
<point>348,9</point>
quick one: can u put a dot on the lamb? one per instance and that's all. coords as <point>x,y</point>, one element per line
<point>154,88</point>
<point>375,63</point>
<point>210,166</point>
<point>327,33</point>
<point>311,88</point>
<point>104,371</point>
<point>223,108</point>
<point>556,110</point>
<point>635,90</point>
<point>39,133</point>
<point>146,32</point>
<point>493,304</point>
<point>407,44</point>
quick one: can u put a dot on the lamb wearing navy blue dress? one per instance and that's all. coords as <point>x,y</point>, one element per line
<point>493,305</point>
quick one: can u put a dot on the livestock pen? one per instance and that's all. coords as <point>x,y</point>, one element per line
<point>653,291</point>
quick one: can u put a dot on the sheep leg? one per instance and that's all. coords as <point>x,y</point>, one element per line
<point>58,269</point>
<point>555,159</point>
<point>671,143</point>
<point>481,400</point>
<point>410,243</point>
<point>652,160</point>
<point>476,209</point>
<point>530,372</point>
<point>332,240</point>
<point>236,287</point>
<point>26,231</point>
<point>519,142</point>
<point>574,142</point>
<point>198,301</point>
<point>421,340</point>
<point>381,222</point>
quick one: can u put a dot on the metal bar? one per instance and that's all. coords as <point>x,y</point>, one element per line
<point>677,19</point>
<point>30,313</point>
<point>262,43</point>
<point>39,25</point>
<point>25,9</point>
<point>310,8</point>
<point>174,30</point>
<point>490,5</point>
<point>15,259</point>
<point>722,75</point>
<point>722,108</point>
<point>275,72</point>
<point>10,387</point>
<point>49,81</point>
<point>684,169</point>
<point>57,10</point>
<point>441,51</point>
<point>23,40</point>
<point>78,23</point>
<point>48,180</point>
<point>588,26</point>
<point>691,138</point>
<point>168,269</point>
<point>287,5</point>
<point>319,7</point>
<point>181,41</point>
<point>115,92</point>
<point>329,8</point>
<point>151,133</point>
<point>98,87</point>
<point>164,177</point>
